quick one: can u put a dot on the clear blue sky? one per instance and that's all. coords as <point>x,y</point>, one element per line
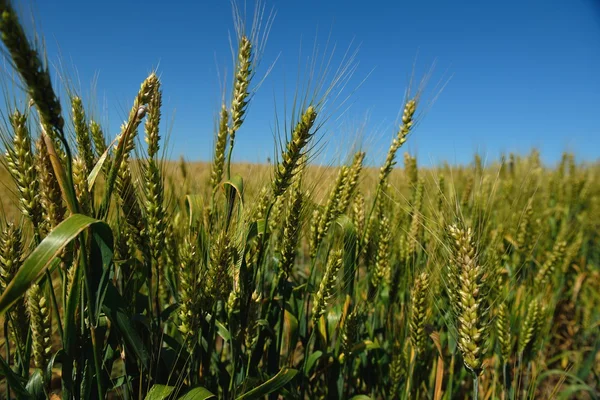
<point>519,73</point>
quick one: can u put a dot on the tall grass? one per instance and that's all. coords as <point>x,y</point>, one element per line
<point>123,275</point>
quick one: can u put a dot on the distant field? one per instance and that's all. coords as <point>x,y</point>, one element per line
<point>127,277</point>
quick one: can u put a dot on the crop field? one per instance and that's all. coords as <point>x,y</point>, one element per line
<point>124,275</point>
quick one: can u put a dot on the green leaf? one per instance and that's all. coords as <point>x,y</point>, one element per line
<point>233,187</point>
<point>256,228</point>
<point>57,358</point>
<point>197,393</point>
<point>222,330</point>
<point>98,167</point>
<point>100,263</point>
<point>159,392</point>
<point>195,208</point>
<point>360,397</point>
<point>35,385</point>
<point>363,346</point>
<point>35,265</point>
<point>114,307</point>
<point>291,331</point>
<point>312,359</point>
<point>348,231</point>
<point>14,381</point>
<point>237,184</point>
<point>270,386</point>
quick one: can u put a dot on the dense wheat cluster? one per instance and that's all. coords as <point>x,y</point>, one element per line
<point>123,275</point>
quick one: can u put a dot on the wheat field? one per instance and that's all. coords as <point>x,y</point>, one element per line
<point>126,275</point>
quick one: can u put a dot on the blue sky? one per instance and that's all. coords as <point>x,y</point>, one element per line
<point>517,74</point>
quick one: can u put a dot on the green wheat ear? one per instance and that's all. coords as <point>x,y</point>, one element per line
<point>503,332</point>
<point>98,138</point>
<point>294,151</point>
<point>82,134</point>
<point>419,310</point>
<point>381,272</point>
<point>11,254</point>
<point>242,82</point>
<point>21,165</point>
<point>41,335</point>
<point>407,122</point>
<point>28,63</point>
<point>330,212</point>
<point>351,182</point>
<point>219,157</point>
<point>51,199</point>
<point>468,301</point>
<point>291,231</point>
<point>327,286</point>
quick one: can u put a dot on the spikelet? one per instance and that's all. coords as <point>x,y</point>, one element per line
<point>398,368</point>
<point>20,162</point>
<point>327,286</point>
<point>554,258</point>
<point>397,142</point>
<point>153,182</point>
<point>11,252</point>
<point>137,112</point>
<point>81,186</point>
<point>243,76</point>
<point>123,184</point>
<point>11,249</point>
<point>251,332</point>
<point>155,213</point>
<point>291,231</point>
<point>82,134</point>
<point>41,335</point>
<point>71,275</point>
<point>525,239</point>
<point>188,304</point>
<point>419,311</point>
<point>152,125</point>
<point>381,271</point>
<point>468,301</point>
<point>28,63</point>
<point>329,212</point>
<point>295,150</point>
<point>530,327</point>
<point>50,194</point>
<point>358,214</point>
<point>415,232</point>
<point>216,173</point>
<point>571,252</point>
<point>372,233</point>
<point>259,210</point>
<point>98,138</point>
<point>314,230</point>
<point>411,170</point>
<point>350,182</point>
<point>276,213</point>
<point>218,280</point>
<point>503,332</point>
<point>351,330</point>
